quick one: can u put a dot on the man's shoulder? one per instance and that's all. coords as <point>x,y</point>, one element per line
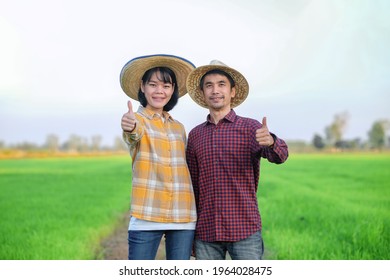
<point>198,128</point>
<point>246,121</point>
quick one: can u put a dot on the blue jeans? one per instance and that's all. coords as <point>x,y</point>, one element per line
<point>251,248</point>
<point>143,245</point>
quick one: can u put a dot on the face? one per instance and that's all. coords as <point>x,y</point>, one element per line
<point>157,93</point>
<point>218,92</point>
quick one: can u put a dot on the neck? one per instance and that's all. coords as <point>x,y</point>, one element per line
<point>155,110</point>
<point>217,115</point>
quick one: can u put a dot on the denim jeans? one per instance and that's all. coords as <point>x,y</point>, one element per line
<point>251,248</point>
<point>143,245</point>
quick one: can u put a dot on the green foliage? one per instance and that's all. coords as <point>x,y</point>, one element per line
<point>326,207</point>
<point>318,142</point>
<point>377,134</point>
<point>334,132</point>
<point>60,208</point>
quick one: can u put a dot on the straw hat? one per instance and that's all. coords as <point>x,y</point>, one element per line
<point>132,72</point>
<point>193,83</point>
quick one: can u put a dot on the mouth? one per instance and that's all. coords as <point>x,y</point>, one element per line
<point>216,98</point>
<point>158,99</point>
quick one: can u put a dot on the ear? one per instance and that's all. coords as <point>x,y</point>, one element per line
<point>233,92</point>
<point>142,86</point>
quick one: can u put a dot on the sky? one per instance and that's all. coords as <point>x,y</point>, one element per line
<point>305,62</point>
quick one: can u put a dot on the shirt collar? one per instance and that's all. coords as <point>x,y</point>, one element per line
<point>149,114</point>
<point>230,117</point>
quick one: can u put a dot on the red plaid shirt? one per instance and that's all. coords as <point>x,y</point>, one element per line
<point>224,162</point>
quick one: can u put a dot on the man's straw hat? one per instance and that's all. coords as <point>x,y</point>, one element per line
<point>132,72</point>
<point>193,83</point>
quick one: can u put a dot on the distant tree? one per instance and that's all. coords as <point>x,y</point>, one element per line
<point>377,134</point>
<point>73,144</point>
<point>343,144</point>
<point>335,131</point>
<point>356,143</point>
<point>52,142</point>
<point>119,144</point>
<point>318,142</point>
<point>96,142</point>
<point>83,146</point>
<point>27,146</point>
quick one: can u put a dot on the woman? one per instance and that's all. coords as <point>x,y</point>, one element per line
<point>162,201</point>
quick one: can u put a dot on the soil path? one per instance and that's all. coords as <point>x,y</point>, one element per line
<point>115,246</point>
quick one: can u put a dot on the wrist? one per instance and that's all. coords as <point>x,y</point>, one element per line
<point>273,142</point>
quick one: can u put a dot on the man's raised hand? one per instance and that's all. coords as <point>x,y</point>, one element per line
<point>263,137</point>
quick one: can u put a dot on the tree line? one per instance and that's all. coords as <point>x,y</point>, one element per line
<point>333,138</point>
<point>74,144</point>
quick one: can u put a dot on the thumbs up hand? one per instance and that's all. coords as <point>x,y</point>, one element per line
<point>128,121</point>
<point>263,137</point>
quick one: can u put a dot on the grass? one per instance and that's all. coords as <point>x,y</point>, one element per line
<point>60,208</point>
<point>327,207</point>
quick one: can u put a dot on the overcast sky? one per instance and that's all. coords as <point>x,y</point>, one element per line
<point>305,61</point>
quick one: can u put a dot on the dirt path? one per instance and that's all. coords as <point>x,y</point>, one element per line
<point>115,246</point>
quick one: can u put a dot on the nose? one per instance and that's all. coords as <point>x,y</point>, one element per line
<point>160,89</point>
<point>214,90</point>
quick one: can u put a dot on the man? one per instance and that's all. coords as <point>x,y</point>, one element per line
<point>223,156</point>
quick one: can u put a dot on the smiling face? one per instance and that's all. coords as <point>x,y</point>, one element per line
<point>157,92</point>
<point>218,92</point>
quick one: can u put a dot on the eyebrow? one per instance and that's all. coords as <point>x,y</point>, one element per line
<point>218,82</point>
<point>158,81</point>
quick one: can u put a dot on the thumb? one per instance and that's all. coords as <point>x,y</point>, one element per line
<point>265,122</point>
<point>130,106</point>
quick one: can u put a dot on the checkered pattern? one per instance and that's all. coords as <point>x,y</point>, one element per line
<point>162,190</point>
<point>224,162</point>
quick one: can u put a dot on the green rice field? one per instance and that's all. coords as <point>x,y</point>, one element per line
<point>61,208</point>
<point>327,207</point>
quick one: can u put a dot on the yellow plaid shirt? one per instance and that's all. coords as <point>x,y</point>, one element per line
<point>162,189</point>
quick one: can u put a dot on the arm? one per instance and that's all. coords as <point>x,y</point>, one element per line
<point>271,147</point>
<point>277,152</point>
<point>193,167</point>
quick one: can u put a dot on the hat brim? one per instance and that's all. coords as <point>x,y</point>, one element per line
<point>193,84</point>
<point>132,72</point>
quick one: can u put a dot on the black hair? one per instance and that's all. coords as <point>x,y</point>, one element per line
<point>220,72</point>
<point>167,76</point>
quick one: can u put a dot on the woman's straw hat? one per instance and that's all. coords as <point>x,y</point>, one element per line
<point>193,83</point>
<point>132,72</point>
